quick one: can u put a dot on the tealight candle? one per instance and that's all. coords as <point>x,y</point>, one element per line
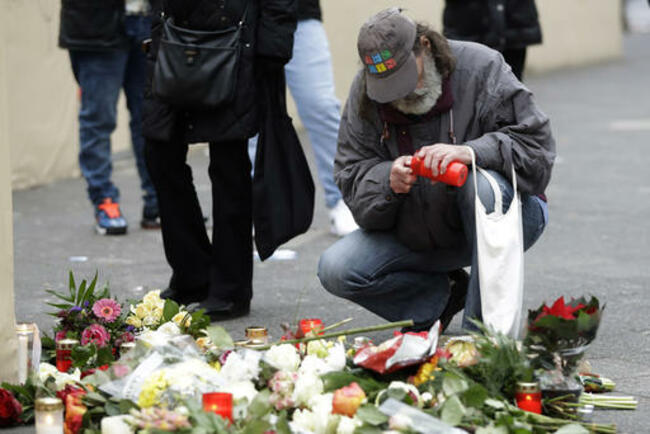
<point>310,324</point>
<point>218,403</point>
<point>529,397</point>
<point>49,416</point>
<point>64,354</point>
<point>25,334</point>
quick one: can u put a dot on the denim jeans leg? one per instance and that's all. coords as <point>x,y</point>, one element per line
<point>99,75</point>
<point>311,82</point>
<point>378,272</point>
<point>533,221</point>
<point>138,29</point>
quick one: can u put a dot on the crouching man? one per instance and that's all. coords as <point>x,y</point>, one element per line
<point>421,94</point>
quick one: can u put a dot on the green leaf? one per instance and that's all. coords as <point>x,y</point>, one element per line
<point>59,295</point>
<point>64,306</point>
<point>453,384</point>
<point>219,336</point>
<point>282,424</point>
<point>95,398</point>
<point>260,406</point>
<point>367,429</point>
<point>573,428</point>
<point>104,356</point>
<point>370,414</point>
<point>257,427</point>
<point>81,354</point>
<point>126,405</point>
<point>475,396</point>
<point>80,293</point>
<point>452,411</point>
<point>171,308</point>
<point>336,380</point>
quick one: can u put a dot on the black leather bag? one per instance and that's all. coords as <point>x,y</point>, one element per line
<point>92,24</point>
<point>283,189</point>
<point>197,69</point>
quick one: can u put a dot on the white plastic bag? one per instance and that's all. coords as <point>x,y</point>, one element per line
<point>500,244</point>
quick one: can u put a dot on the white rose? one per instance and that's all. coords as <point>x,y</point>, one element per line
<point>241,368</point>
<point>169,328</point>
<point>283,357</point>
<point>347,425</point>
<point>152,298</point>
<point>306,387</point>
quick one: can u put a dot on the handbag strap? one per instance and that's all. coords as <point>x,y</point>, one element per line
<point>498,197</point>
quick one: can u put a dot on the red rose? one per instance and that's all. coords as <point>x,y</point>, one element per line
<point>10,409</point>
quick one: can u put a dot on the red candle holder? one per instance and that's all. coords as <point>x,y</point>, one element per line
<point>64,354</point>
<point>219,404</point>
<point>529,397</point>
<point>311,324</point>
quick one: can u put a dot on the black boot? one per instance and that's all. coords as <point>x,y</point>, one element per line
<point>458,283</point>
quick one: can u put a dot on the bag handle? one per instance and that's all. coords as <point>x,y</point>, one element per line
<point>498,197</point>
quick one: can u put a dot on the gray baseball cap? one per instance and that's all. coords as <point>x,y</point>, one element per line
<point>385,45</point>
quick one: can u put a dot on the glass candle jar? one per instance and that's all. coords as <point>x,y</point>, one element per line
<point>219,404</point>
<point>125,347</point>
<point>49,416</point>
<point>25,335</point>
<point>529,397</point>
<point>310,324</point>
<point>257,335</point>
<point>64,354</point>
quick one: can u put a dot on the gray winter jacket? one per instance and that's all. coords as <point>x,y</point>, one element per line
<point>494,114</point>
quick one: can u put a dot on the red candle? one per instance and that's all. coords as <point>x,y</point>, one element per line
<point>529,397</point>
<point>64,354</point>
<point>218,403</point>
<point>309,324</point>
<point>456,173</point>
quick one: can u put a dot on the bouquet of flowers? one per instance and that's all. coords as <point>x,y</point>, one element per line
<point>557,337</point>
<point>92,317</point>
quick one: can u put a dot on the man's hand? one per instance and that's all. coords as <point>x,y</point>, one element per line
<point>401,175</point>
<point>438,156</point>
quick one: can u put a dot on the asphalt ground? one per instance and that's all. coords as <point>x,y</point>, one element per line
<point>597,240</point>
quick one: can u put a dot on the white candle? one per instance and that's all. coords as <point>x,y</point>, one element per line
<point>24,332</point>
<point>49,416</point>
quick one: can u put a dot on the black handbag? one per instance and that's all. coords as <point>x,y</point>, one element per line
<point>283,189</point>
<point>197,69</point>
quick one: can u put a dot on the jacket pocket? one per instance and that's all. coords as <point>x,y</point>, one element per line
<point>91,24</point>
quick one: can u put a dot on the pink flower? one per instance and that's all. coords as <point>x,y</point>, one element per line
<point>127,337</point>
<point>60,335</point>
<point>96,334</point>
<point>107,309</point>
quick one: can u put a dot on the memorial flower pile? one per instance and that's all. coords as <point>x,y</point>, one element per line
<point>184,375</point>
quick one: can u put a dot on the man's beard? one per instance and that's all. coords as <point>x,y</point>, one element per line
<point>421,100</point>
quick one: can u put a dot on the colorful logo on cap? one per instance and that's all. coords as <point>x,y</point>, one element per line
<point>380,62</point>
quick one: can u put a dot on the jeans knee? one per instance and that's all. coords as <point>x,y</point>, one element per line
<point>466,193</point>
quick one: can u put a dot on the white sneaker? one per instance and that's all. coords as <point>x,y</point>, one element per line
<point>341,220</point>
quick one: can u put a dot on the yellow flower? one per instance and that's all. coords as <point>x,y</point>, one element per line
<point>216,365</point>
<point>152,298</point>
<point>142,311</point>
<point>152,388</point>
<point>157,312</point>
<point>203,342</point>
<point>134,321</point>
<point>182,319</point>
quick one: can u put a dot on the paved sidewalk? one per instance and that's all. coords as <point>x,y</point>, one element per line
<point>596,243</point>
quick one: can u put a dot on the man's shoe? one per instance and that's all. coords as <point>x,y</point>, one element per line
<point>183,297</point>
<point>109,218</point>
<point>220,310</point>
<point>150,217</point>
<point>459,281</point>
<point>341,220</point>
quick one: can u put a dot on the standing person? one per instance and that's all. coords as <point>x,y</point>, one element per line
<point>420,94</point>
<point>310,79</point>
<point>104,39</point>
<point>508,26</point>
<point>216,273</point>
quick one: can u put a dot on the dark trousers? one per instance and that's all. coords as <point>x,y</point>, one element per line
<point>516,58</point>
<point>222,268</point>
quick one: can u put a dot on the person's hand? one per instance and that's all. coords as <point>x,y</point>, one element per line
<point>401,175</point>
<point>438,156</point>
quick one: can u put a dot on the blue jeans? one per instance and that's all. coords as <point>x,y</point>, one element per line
<point>101,75</point>
<point>311,82</point>
<point>378,272</point>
